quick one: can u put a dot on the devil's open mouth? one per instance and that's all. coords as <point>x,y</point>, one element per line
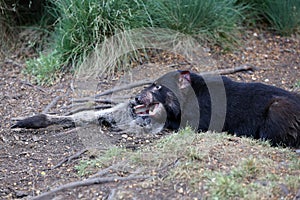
<point>143,110</point>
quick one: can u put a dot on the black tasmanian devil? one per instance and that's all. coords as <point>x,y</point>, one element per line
<point>217,103</point>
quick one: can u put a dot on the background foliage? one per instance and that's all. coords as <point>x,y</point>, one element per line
<point>75,27</point>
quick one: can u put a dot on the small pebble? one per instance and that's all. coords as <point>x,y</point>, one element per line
<point>124,136</point>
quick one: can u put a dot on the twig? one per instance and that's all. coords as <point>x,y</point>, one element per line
<point>166,166</point>
<point>68,159</point>
<point>112,194</point>
<point>65,132</point>
<point>74,105</point>
<point>246,67</point>
<point>34,86</point>
<point>10,61</point>
<point>87,182</point>
<point>85,105</point>
<point>124,87</point>
<point>88,99</point>
<point>77,110</point>
<point>15,119</point>
<point>106,170</point>
<point>72,86</point>
<point>53,103</point>
<point>177,64</point>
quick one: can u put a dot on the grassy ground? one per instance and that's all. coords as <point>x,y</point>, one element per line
<point>208,165</point>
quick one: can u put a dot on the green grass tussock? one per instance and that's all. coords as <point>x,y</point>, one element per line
<point>213,20</point>
<point>77,27</point>
<point>284,16</point>
<point>281,16</point>
<point>46,69</point>
<point>82,25</point>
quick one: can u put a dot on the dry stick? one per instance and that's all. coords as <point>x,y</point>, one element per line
<point>241,68</point>
<point>166,166</point>
<point>15,119</point>
<point>106,170</point>
<point>177,64</point>
<point>10,61</point>
<point>34,86</point>
<point>124,87</point>
<point>74,105</point>
<point>65,132</point>
<point>112,194</point>
<point>68,159</point>
<point>246,67</point>
<point>87,104</point>
<point>77,110</point>
<point>87,182</point>
<point>105,101</point>
<point>53,103</point>
<point>83,100</point>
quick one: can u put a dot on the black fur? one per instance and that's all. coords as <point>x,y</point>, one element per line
<point>252,109</point>
<point>34,122</point>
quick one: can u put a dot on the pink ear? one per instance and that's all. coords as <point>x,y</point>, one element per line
<point>184,79</point>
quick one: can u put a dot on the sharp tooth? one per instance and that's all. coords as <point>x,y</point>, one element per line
<point>140,109</point>
<point>152,109</point>
<point>143,115</point>
<point>139,106</point>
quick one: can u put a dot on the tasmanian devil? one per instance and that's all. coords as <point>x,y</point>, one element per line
<point>213,102</point>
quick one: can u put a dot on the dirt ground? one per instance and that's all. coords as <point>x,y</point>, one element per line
<point>27,157</point>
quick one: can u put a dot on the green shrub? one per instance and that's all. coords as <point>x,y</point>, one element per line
<point>226,187</point>
<point>253,13</point>
<point>281,16</point>
<point>297,85</point>
<point>45,69</point>
<point>284,16</point>
<point>81,25</point>
<point>214,20</point>
<point>6,31</point>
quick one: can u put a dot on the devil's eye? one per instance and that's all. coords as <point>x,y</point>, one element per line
<point>157,87</point>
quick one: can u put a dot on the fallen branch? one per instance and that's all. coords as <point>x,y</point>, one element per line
<point>34,86</point>
<point>112,194</point>
<point>53,103</point>
<point>15,63</point>
<point>93,100</point>
<point>87,182</point>
<point>66,132</point>
<point>108,169</point>
<point>246,67</point>
<point>68,159</point>
<point>88,105</point>
<point>81,109</point>
<point>124,87</point>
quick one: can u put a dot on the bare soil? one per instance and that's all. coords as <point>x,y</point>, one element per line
<point>28,156</point>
